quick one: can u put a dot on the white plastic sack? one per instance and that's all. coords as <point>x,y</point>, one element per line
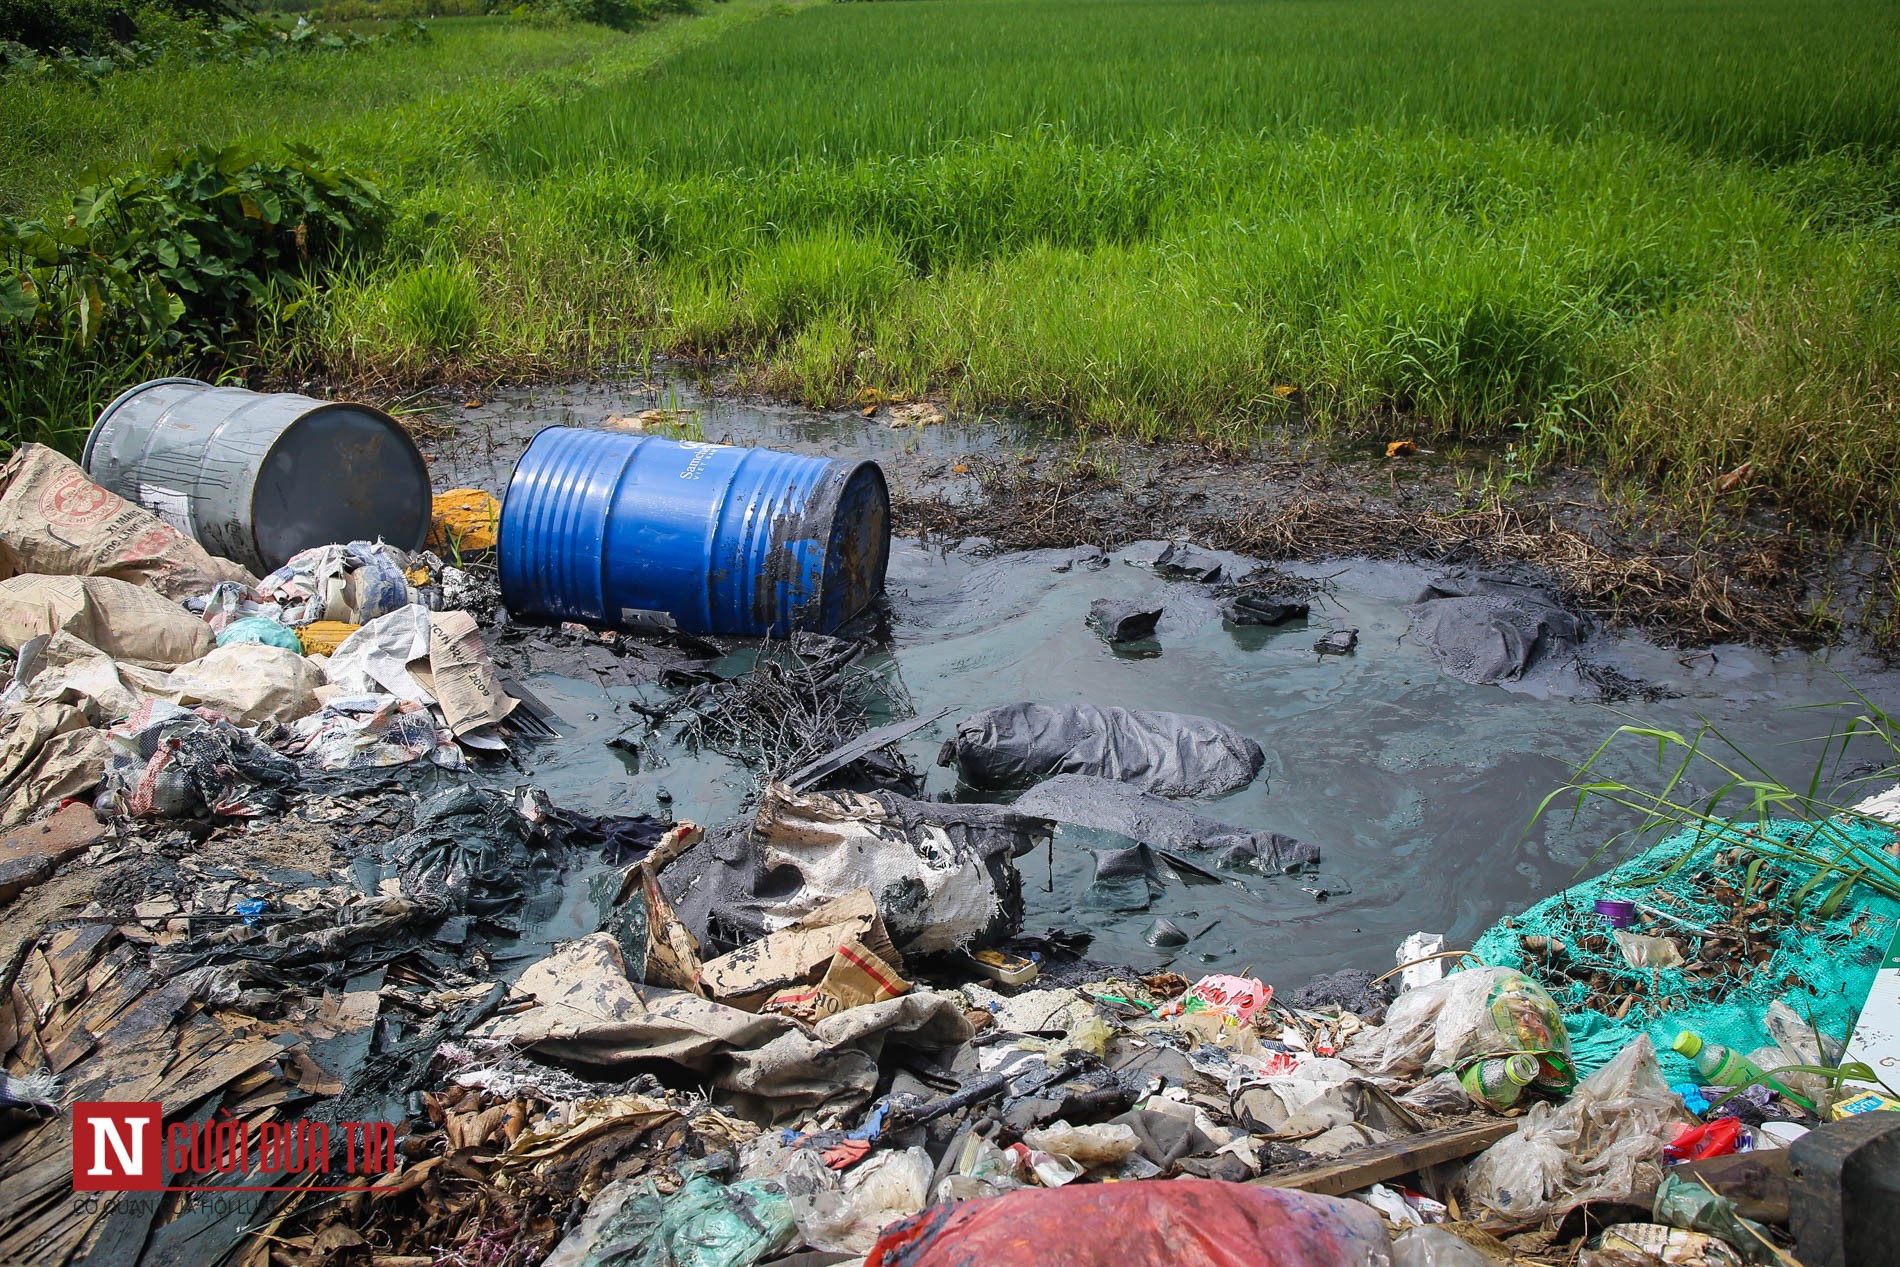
<point>248,683</point>
<point>127,622</point>
<point>56,522</point>
<point>1605,1140</point>
<point>840,842</point>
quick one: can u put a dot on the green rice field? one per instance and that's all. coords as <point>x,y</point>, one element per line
<point>1659,240</point>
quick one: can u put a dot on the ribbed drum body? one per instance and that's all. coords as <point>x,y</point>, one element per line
<point>256,476</point>
<point>629,532</point>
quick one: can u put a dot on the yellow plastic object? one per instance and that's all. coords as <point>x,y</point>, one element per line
<point>323,637</point>
<point>466,520</point>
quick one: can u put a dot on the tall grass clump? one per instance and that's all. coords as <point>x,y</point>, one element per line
<point>1655,240</point>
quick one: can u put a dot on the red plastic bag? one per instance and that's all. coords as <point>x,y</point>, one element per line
<point>1717,1139</point>
<point>1155,1223</point>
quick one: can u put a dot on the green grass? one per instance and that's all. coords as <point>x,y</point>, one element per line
<point>410,112</point>
<point>1662,240</point>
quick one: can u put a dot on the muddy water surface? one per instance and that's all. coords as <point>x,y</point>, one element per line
<point>1418,788</point>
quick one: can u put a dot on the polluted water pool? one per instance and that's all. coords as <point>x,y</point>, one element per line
<point>1418,789</point>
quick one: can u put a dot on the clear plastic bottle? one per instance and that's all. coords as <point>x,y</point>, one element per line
<point>1726,1068</point>
<point>1500,1081</point>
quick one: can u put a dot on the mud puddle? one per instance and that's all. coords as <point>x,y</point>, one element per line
<point>1417,787</point>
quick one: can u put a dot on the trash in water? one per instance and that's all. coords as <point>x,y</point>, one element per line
<point>326,889</point>
<point>1169,754</point>
<point>1486,629</point>
<point>1122,620</point>
<point>1337,642</point>
<point>1186,563</point>
<point>1263,607</point>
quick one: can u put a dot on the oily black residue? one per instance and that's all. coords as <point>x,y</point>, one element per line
<point>1419,789</point>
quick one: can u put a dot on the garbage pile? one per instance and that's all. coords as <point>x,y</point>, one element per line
<point>177,682</point>
<point>246,880</point>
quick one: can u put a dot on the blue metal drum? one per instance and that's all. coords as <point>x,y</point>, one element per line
<point>640,532</point>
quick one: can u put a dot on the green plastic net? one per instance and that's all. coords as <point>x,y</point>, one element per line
<point>1752,927</point>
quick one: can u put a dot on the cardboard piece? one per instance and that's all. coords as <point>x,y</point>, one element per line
<point>801,953</point>
<point>1876,1040</point>
<point>672,950</point>
<point>855,976</point>
<point>55,521</point>
<point>460,675</point>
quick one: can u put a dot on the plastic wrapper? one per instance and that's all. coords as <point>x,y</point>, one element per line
<point>1441,1094</point>
<point>1467,1017</point>
<point>164,761</point>
<point>259,629</point>
<point>1647,1244</point>
<point>357,583</point>
<point>1798,1043</point>
<point>878,1192</point>
<point>1606,1140</point>
<point>704,1224</point>
<point>1434,1247</point>
<point>983,1170</point>
<point>1089,1146</point>
<point>1692,1207</point>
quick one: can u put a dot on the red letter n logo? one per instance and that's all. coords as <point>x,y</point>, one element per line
<point>116,1147</point>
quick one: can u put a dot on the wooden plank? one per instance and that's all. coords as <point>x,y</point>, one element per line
<point>1364,1167</point>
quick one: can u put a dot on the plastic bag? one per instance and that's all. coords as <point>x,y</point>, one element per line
<point>1605,1141</point>
<point>1694,1208</point>
<point>1646,1244</point>
<point>259,629</point>
<point>1434,1247</point>
<point>1798,1043</point>
<point>1090,1146</point>
<point>357,583</point>
<point>704,1224</point>
<point>1467,1017</point>
<point>878,1192</point>
<point>983,1170</point>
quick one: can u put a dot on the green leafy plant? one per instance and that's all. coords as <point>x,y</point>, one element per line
<point>181,255</point>
<point>1747,801</point>
<point>174,262</point>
